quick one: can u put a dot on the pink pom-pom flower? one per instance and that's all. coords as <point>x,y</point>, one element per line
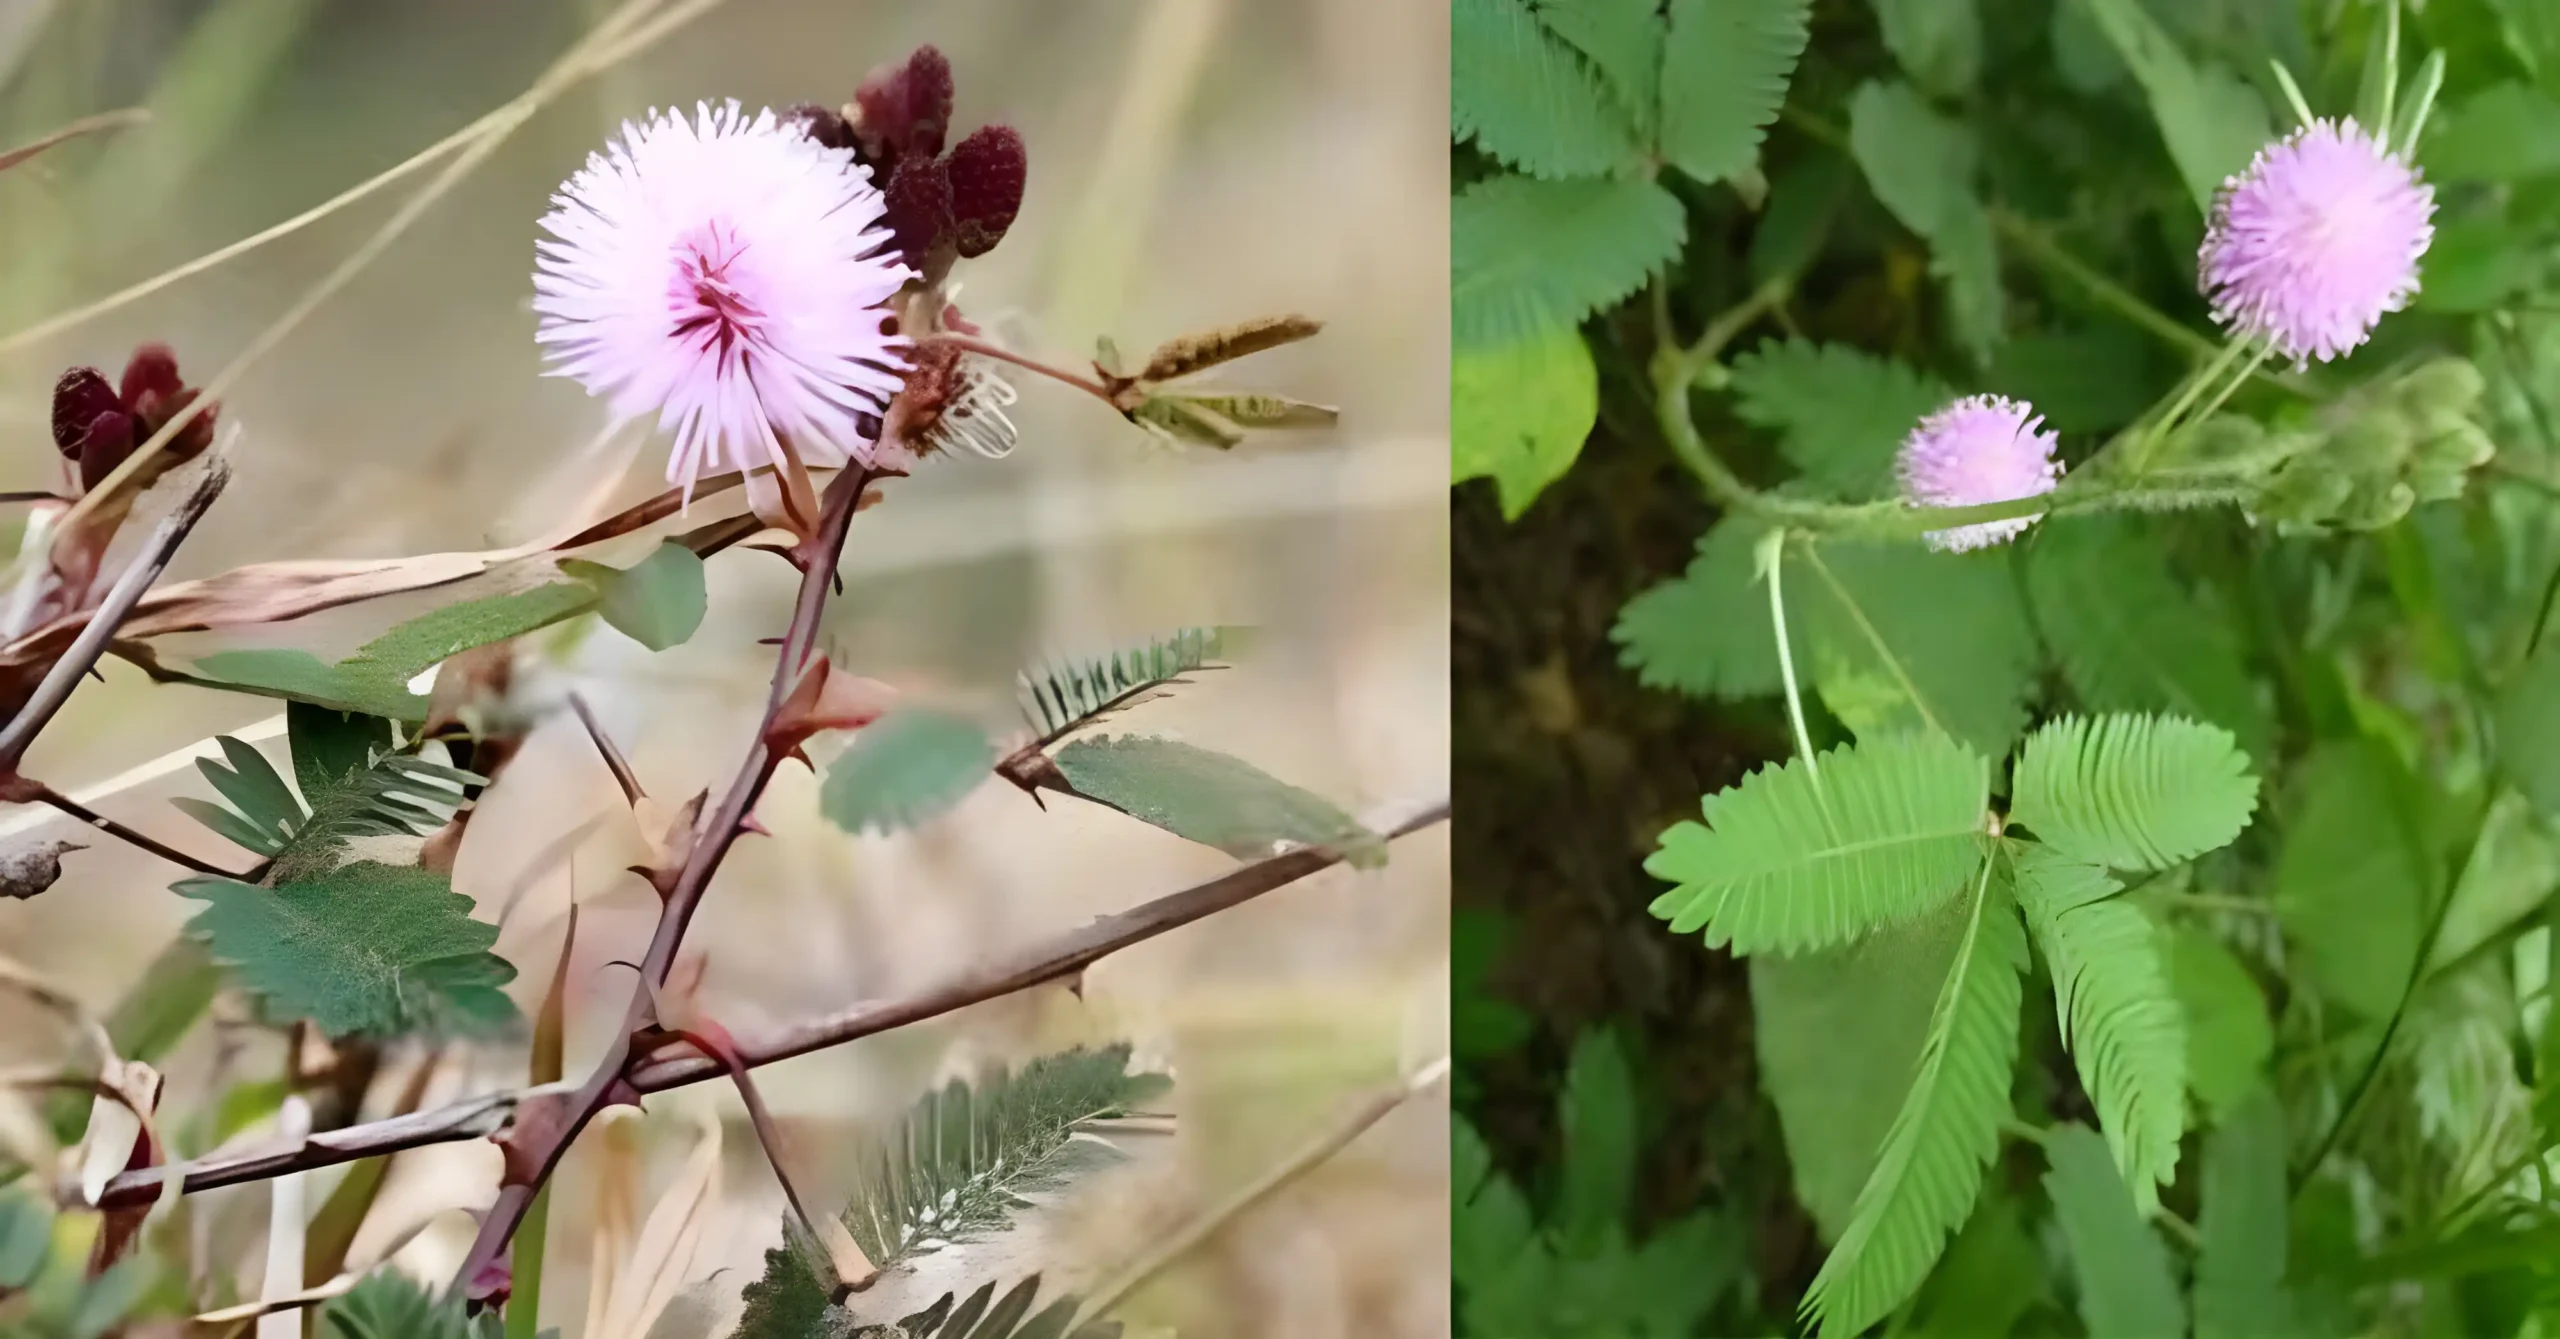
<point>1982,448</point>
<point>731,274</point>
<point>2316,241</point>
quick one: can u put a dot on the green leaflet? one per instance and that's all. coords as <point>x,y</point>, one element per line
<point>1706,632</point>
<point>1527,256</point>
<point>2132,792</point>
<point>375,680</point>
<point>2228,1036</point>
<point>2213,122</point>
<point>1930,1167</point>
<point>2351,882</point>
<point>1520,411</point>
<point>657,602</point>
<point>2509,131</point>
<point>1212,798</point>
<point>2239,1284</point>
<point>1623,39</point>
<point>1838,1035</point>
<point>1840,413</point>
<point>2118,1012</point>
<point>1725,69</point>
<point>2130,637</point>
<point>2127,1290</point>
<point>1991,1276</point>
<point>904,768</point>
<point>1065,694</point>
<point>1528,98</point>
<point>1784,863</point>
<point>363,950</point>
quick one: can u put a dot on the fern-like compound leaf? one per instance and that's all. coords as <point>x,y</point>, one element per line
<point>1725,67</point>
<point>1790,860</point>
<point>385,795</point>
<point>1930,1168</point>
<point>2133,792</point>
<point>1841,413</point>
<point>1526,256</point>
<point>2130,636</point>
<point>2114,996</point>
<point>1063,695</point>
<point>1526,97</point>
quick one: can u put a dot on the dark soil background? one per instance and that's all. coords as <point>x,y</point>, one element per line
<point>1566,771</point>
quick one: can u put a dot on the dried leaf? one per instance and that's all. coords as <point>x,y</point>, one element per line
<point>667,1241</point>
<point>1186,354</point>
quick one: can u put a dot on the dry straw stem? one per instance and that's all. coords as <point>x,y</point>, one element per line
<point>87,125</point>
<point>1376,1108</point>
<point>629,29</point>
<point>1058,958</point>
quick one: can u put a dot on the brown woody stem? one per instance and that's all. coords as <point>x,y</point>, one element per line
<point>1060,957</point>
<point>818,557</point>
<point>48,795</point>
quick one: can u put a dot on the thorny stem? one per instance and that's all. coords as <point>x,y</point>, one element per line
<point>1060,957</point>
<point>82,655</point>
<point>48,795</point>
<point>614,762</point>
<point>1050,370</point>
<point>819,556</point>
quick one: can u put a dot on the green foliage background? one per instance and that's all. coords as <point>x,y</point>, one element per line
<point>2164,943</point>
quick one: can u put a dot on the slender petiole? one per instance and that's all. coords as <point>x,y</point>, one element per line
<point>1773,554</point>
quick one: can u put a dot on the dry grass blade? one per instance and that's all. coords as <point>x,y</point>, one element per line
<point>643,1291</point>
<point>1186,354</point>
<point>233,1315</point>
<point>619,36</point>
<point>617,1147</point>
<point>87,125</point>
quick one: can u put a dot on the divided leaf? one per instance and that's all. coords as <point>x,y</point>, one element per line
<point>1063,695</point>
<point>366,949</point>
<point>390,1305</point>
<point>1624,38</point>
<point>382,795</point>
<point>908,766</point>
<point>375,680</point>
<point>1787,862</point>
<point>1212,798</point>
<point>1841,413</point>
<point>2118,1012</point>
<point>1725,69</point>
<point>2127,1290</point>
<point>1931,1166</point>
<point>1706,632</point>
<point>1527,98</point>
<point>2133,792</point>
<point>1519,413</point>
<point>1526,256</point>
<point>2130,637</point>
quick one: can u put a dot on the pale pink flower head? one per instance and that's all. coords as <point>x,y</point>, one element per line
<point>729,273</point>
<point>1982,448</point>
<point>2316,241</point>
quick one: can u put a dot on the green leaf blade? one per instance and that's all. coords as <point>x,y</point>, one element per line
<point>1526,256</point>
<point>1211,798</point>
<point>2127,1290</point>
<point>1840,413</point>
<point>1931,1166</point>
<point>1785,862</point>
<point>905,768</point>
<point>658,602</point>
<point>1519,413</point>
<point>2133,792</point>
<point>1527,98</point>
<point>1725,69</point>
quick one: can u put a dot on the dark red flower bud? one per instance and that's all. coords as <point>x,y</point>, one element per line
<point>987,173</point>
<point>111,439</point>
<point>818,123</point>
<point>154,370</point>
<point>928,101</point>
<point>918,208</point>
<point>904,110</point>
<point>79,399</point>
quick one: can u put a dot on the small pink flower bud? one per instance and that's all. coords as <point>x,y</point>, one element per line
<point>988,171</point>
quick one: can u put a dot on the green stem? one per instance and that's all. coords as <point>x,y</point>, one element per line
<point>524,1301</point>
<point>1729,323</point>
<point>1775,547</point>
<point>2149,438</point>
